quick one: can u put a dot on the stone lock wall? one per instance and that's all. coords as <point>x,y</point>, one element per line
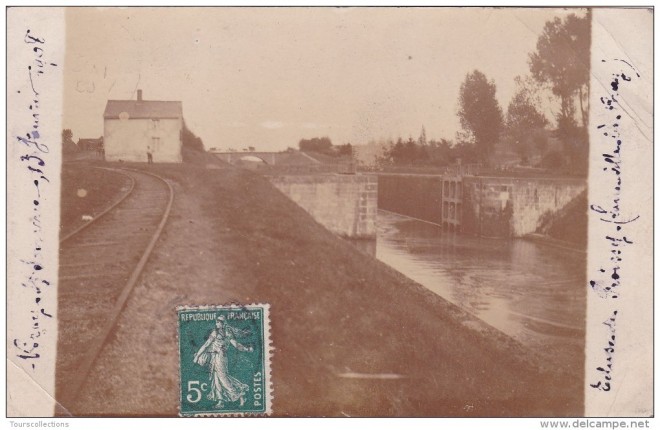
<point>513,207</point>
<point>478,205</point>
<point>487,207</point>
<point>416,196</point>
<point>344,204</point>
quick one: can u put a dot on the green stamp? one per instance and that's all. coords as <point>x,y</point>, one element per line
<point>224,360</point>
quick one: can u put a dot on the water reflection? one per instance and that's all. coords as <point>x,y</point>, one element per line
<point>534,293</point>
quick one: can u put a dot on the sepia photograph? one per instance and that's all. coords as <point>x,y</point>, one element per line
<point>332,212</point>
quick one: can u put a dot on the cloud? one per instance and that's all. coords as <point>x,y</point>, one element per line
<point>272,124</point>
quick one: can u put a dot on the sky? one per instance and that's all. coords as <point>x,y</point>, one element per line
<point>268,77</point>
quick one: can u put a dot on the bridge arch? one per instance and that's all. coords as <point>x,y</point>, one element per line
<point>252,158</point>
<point>234,157</point>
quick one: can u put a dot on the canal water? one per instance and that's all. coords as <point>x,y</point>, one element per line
<point>532,292</point>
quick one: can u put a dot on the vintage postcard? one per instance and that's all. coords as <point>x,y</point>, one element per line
<point>330,212</point>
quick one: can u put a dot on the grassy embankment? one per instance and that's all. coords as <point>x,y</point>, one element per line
<point>87,192</point>
<point>335,312</point>
<point>568,227</point>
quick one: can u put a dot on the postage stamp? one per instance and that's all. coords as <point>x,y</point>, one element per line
<point>224,360</point>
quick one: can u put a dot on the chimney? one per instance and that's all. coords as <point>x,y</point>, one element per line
<point>139,95</point>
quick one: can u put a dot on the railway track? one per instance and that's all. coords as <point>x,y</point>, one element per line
<point>100,263</point>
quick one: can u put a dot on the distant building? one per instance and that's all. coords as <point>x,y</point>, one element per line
<point>90,144</point>
<point>131,128</point>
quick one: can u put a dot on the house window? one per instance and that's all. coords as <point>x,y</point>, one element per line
<point>154,124</point>
<point>155,143</point>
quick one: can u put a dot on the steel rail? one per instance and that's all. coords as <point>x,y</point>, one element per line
<point>94,350</point>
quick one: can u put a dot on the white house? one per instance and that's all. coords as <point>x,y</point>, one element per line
<point>131,128</point>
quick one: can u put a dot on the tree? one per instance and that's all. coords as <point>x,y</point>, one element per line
<point>384,158</point>
<point>410,150</point>
<point>479,112</point>
<point>440,153</point>
<point>422,137</point>
<point>524,120</point>
<point>561,61</point>
<point>524,111</point>
<point>67,135</point>
<point>397,152</point>
<point>189,140</point>
<point>316,144</point>
<point>345,150</point>
<point>68,145</point>
<point>466,152</point>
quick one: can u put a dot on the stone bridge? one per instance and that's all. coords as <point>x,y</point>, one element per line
<point>270,158</point>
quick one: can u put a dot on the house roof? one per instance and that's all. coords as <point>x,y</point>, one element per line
<point>142,109</point>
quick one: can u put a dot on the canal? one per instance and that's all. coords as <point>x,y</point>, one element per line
<point>532,292</point>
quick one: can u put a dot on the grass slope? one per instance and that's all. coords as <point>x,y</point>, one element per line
<point>87,192</point>
<point>570,223</point>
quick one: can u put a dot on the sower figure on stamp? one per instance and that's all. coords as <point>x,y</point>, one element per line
<point>150,157</point>
<point>213,355</point>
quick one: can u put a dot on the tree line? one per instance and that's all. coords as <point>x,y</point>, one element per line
<point>323,145</point>
<point>559,66</point>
